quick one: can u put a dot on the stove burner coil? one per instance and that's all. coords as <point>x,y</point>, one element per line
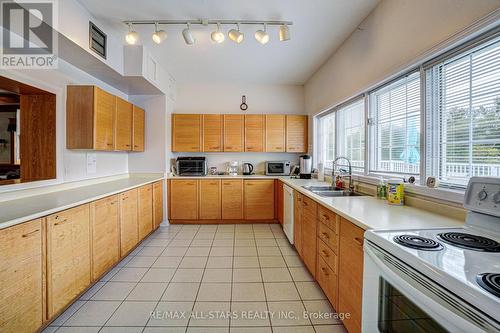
<point>468,241</point>
<point>489,282</point>
<point>417,242</point>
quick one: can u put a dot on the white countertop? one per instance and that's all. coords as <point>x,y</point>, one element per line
<point>368,212</point>
<point>17,211</point>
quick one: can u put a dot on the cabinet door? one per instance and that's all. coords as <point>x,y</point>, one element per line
<point>296,134</point>
<point>104,119</point>
<point>233,132</point>
<point>351,273</point>
<point>275,133</point>
<point>297,222</point>
<point>254,132</point>
<point>309,236</point>
<point>68,256</point>
<point>279,201</point>
<point>186,132</point>
<point>105,234</point>
<point>129,233</point>
<point>123,125</point>
<point>183,199</point>
<point>21,298</point>
<point>157,204</point>
<point>259,199</point>
<point>138,129</point>
<point>145,210</point>
<point>212,132</point>
<point>232,199</point>
<point>210,199</point>
<point>328,280</point>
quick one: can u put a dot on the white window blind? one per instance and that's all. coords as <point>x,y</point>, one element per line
<point>351,133</point>
<point>463,117</point>
<point>326,140</point>
<point>395,127</point>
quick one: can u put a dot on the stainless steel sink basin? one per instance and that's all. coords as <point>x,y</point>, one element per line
<point>330,191</point>
<point>320,188</point>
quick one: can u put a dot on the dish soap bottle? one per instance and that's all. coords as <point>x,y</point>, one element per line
<point>381,189</point>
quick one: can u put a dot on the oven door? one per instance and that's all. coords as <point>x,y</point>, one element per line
<point>397,298</point>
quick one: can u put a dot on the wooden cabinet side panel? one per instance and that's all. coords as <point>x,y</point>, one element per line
<point>210,199</point>
<point>157,203</point>
<point>183,199</point>
<point>233,133</point>
<point>259,199</point>
<point>129,230</point>
<point>212,133</point>
<point>145,210</point>
<point>138,129</point>
<point>254,133</point>
<point>21,294</point>
<point>123,125</point>
<point>80,117</point>
<point>309,234</point>
<point>297,222</point>
<point>275,133</point>
<point>232,199</point>
<point>296,133</point>
<point>104,119</point>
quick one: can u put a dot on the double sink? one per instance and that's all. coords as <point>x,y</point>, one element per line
<point>330,191</point>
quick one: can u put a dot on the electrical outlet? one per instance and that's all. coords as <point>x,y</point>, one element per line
<point>91,163</point>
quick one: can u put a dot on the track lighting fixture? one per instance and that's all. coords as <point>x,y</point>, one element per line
<point>217,36</point>
<point>284,33</point>
<point>132,36</point>
<point>188,36</point>
<point>236,35</point>
<point>261,35</point>
<point>159,35</point>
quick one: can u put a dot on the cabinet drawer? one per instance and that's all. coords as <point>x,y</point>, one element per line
<point>327,279</point>
<point>329,218</point>
<point>328,236</point>
<point>328,255</point>
<point>309,205</point>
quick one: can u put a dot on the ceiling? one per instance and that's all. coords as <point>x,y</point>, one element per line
<point>319,27</point>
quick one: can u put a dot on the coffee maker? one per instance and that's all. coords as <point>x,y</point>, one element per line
<point>305,166</point>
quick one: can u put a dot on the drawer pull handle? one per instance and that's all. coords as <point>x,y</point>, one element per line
<point>326,217</point>
<point>60,222</point>
<point>359,241</point>
<point>325,253</point>
<point>325,271</point>
<point>325,235</point>
<point>305,203</point>
<point>31,233</point>
<point>229,147</point>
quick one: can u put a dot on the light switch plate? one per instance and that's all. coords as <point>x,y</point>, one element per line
<point>91,163</point>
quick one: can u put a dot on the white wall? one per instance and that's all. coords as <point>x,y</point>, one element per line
<point>226,98</point>
<point>393,35</point>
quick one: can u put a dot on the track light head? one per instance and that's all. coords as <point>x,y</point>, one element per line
<point>217,36</point>
<point>132,36</point>
<point>284,33</point>
<point>236,35</point>
<point>159,35</point>
<point>188,36</point>
<point>262,36</point>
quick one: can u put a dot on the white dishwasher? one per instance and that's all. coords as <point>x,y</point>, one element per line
<point>288,212</point>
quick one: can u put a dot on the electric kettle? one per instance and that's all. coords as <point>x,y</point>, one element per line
<point>247,168</point>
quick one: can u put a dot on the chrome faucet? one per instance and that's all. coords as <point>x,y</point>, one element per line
<point>343,173</point>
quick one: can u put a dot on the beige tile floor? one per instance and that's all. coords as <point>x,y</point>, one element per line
<point>204,278</point>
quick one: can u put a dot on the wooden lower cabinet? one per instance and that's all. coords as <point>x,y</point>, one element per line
<point>297,222</point>
<point>351,274</point>
<point>309,236</point>
<point>279,200</point>
<point>259,199</point>
<point>104,216</point>
<point>157,203</point>
<point>183,199</point>
<point>210,199</point>
<point>232,199</point>
<point>145,210</point>
<point>129,230</point>
<point>21,294</point>
<point>328,281</point>
<point>68,256</point>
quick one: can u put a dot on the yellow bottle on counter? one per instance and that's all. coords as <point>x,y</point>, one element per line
<point>395,192</point>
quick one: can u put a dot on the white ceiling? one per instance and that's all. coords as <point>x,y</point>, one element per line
<point>319,27</point>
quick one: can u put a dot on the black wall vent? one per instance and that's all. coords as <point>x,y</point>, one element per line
<point>97,40</point>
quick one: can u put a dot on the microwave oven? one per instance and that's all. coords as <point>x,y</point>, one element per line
<point>278,168</point>
<point>191,166</point>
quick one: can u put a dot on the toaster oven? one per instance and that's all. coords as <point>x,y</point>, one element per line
<point>191,166</point>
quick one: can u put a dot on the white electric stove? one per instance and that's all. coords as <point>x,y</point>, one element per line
<point>437,280</point>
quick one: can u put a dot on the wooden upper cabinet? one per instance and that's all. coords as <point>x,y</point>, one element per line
<point>254,133</point>
<point>105,234</point>
<point>186,132</point>
<point>129,230</point>
<point>138,129</point>
<point>90,118</point>
<point>183,195</point>
<point>68,256</point>
<point>233,132</point>
<point>21,296</point>
<point>296,134</point>
<point>157,203</point>
<point>275,133</point>
<point>350,274</point>
<point>259,199</point>
<point>232,199</point>
<point>145,210</point>
<point>123,124</point>
<point>210,199</point>
<point>212,133</point>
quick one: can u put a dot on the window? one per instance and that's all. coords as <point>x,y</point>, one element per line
<point>395,127</point>
<point>326,140</point>
<point>351,133</point>
<point>463,115</point>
